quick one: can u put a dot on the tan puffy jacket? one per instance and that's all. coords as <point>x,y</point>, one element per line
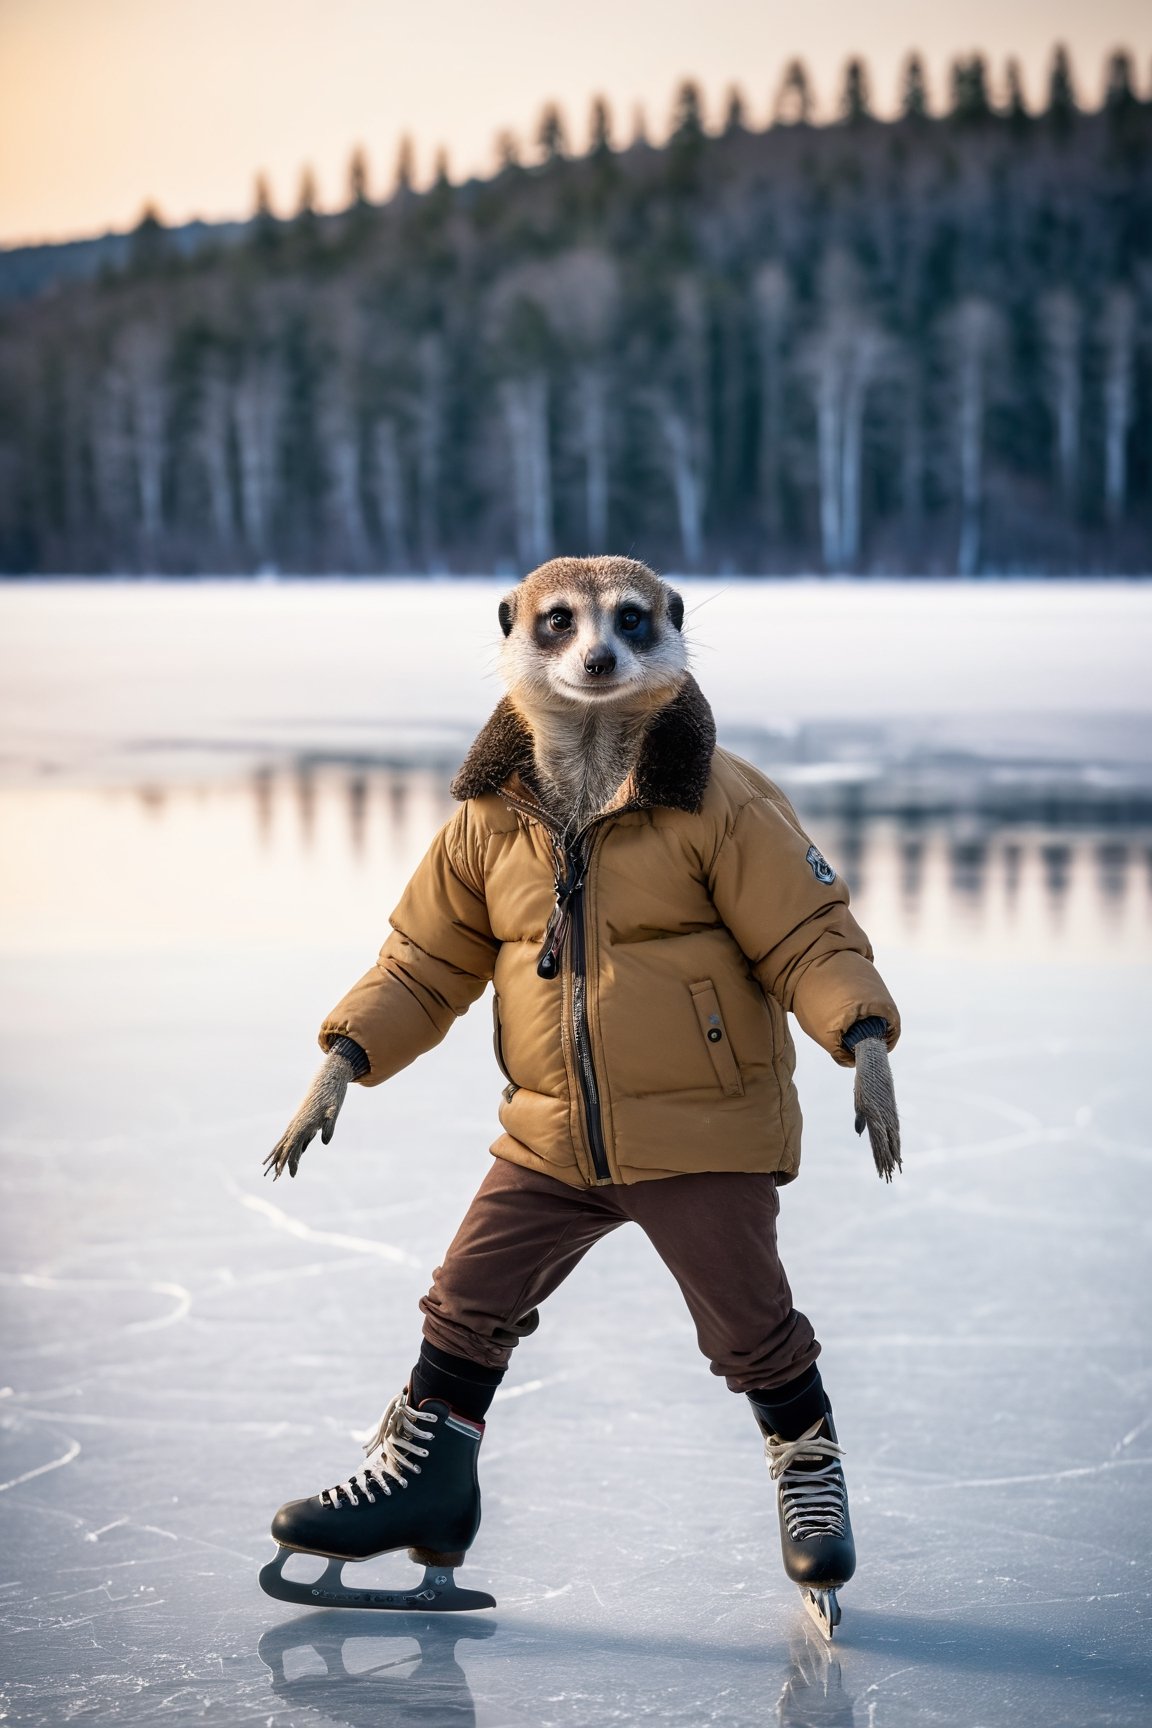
<point>693,919</point>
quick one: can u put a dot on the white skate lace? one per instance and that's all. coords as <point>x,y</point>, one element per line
<point>397,1441</point>
<point>814,1502</point>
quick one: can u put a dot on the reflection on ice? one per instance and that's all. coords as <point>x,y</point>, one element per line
<point>346,1671</point>
<point>320,853</point>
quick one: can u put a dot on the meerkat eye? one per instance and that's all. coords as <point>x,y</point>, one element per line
<point>560,618</point>
<point>631,618</point>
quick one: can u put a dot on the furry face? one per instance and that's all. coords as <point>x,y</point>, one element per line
<point>585,633</point>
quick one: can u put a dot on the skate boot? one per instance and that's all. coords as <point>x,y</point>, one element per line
<point>812,1501</point>
<point>418,1491</point>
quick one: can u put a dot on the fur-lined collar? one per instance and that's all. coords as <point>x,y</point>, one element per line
<point>675,758</point>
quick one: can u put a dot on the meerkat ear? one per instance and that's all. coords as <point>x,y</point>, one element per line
<point>675,609</point>
<point>506,614</point>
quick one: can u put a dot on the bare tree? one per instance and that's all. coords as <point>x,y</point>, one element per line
<point>794,104</point>
<point>340,441</point>
<point>389,476</point>
<point>680,405</point>
<point>579,291</point>
<point>212,437</point>
<point>1060,322</point>
<point>429,415</point>
<point>1118,335</point>
<point>258,408</point>
<point>841,361</point>
<point>772,308</point>
<point>524,403</point>
<point>140,358</point>
<point>973,332</point>
<point>110,443</point>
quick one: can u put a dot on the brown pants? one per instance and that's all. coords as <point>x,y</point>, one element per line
<point>716,1233</point>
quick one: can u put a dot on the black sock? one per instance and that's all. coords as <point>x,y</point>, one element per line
<point>790,1410</point>
<point>468,1386</point>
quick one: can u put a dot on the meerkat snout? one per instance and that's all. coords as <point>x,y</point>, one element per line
<point>593,632</point>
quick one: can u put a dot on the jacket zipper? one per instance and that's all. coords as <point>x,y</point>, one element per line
<point>568,917</point>
<point>585,1068</point>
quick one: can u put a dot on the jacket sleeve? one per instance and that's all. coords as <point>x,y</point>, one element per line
<point>437,961</point>
<point>801,941</point>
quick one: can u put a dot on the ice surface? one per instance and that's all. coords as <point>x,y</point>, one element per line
<point>185,1345</point>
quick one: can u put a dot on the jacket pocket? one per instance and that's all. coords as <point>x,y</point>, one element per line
<point>715,1035</point>
<point>498,1047</point>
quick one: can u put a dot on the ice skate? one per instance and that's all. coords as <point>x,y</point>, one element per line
<point>815,1532</point>
<point>418,1490</point>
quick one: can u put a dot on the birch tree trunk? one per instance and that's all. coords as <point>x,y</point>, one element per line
<point>1119,334</point>
<point>592,413</point>
<point>829,445</point>
<point>974,328</point>
<point>390,494</point>
<point>258,409</point>
<point>429,442</point>
<point>213,426</point>
<point>111,464</point>
<point>524,402</point>
<point>1061,325</point>
<point>772,299</point>
<point>141,357</point>
<point>863,352</point>
<point>341,442</point>
<point>685,469</point>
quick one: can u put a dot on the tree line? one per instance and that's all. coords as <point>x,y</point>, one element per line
<point>917,345</point>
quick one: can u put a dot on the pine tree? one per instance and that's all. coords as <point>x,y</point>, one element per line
<point>405,166</point>
<point>914,89</point>
<point>550,134</point>
<point>855,99</point>
<point>969,79</point>
<point>441,172</point>
<point>794,103</point>
<point>149,240</point>
<point>265,227</point>
<point>358,180</point>
<point>600,128</point>
<point>1015,106</point>
<point>734,117</point>
<point>1062,106</point>
<point>507,151</point>
<point>1119,94</point>
<point>306,197</point>
<point>687,134</point>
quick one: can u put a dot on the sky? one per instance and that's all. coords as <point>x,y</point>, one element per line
<point>112,104</point>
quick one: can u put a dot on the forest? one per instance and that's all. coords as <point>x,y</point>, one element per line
<point>916,345</point>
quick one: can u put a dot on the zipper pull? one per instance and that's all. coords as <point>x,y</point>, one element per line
<point>548,965</point>
<point>569,880</point>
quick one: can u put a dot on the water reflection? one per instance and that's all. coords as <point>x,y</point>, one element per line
<point>347,1669</point>
<point>320,850</point>
<point>813,1694</point>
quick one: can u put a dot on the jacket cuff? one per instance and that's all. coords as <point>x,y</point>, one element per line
<point>351,1052</point>
<point>874,1027</point>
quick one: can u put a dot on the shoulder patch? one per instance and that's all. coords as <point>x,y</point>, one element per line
<point>821,868</point>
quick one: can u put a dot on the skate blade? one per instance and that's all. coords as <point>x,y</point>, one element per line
<point>823,1607</point>
<point>437,1592</point>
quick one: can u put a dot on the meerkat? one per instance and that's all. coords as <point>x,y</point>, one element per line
<point>593,650</point>
<point>647,1059</point>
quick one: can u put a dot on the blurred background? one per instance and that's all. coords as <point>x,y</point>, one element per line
<point>813,311</point>
<point>317,330</point>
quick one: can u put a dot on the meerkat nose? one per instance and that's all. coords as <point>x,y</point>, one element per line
<point>599,660</point>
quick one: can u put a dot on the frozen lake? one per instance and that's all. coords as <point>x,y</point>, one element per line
<point>210,797</point>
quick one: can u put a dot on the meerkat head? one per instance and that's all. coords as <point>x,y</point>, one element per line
<point>590,633</point>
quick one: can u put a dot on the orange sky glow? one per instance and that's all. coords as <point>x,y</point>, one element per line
<point>108,106</point>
